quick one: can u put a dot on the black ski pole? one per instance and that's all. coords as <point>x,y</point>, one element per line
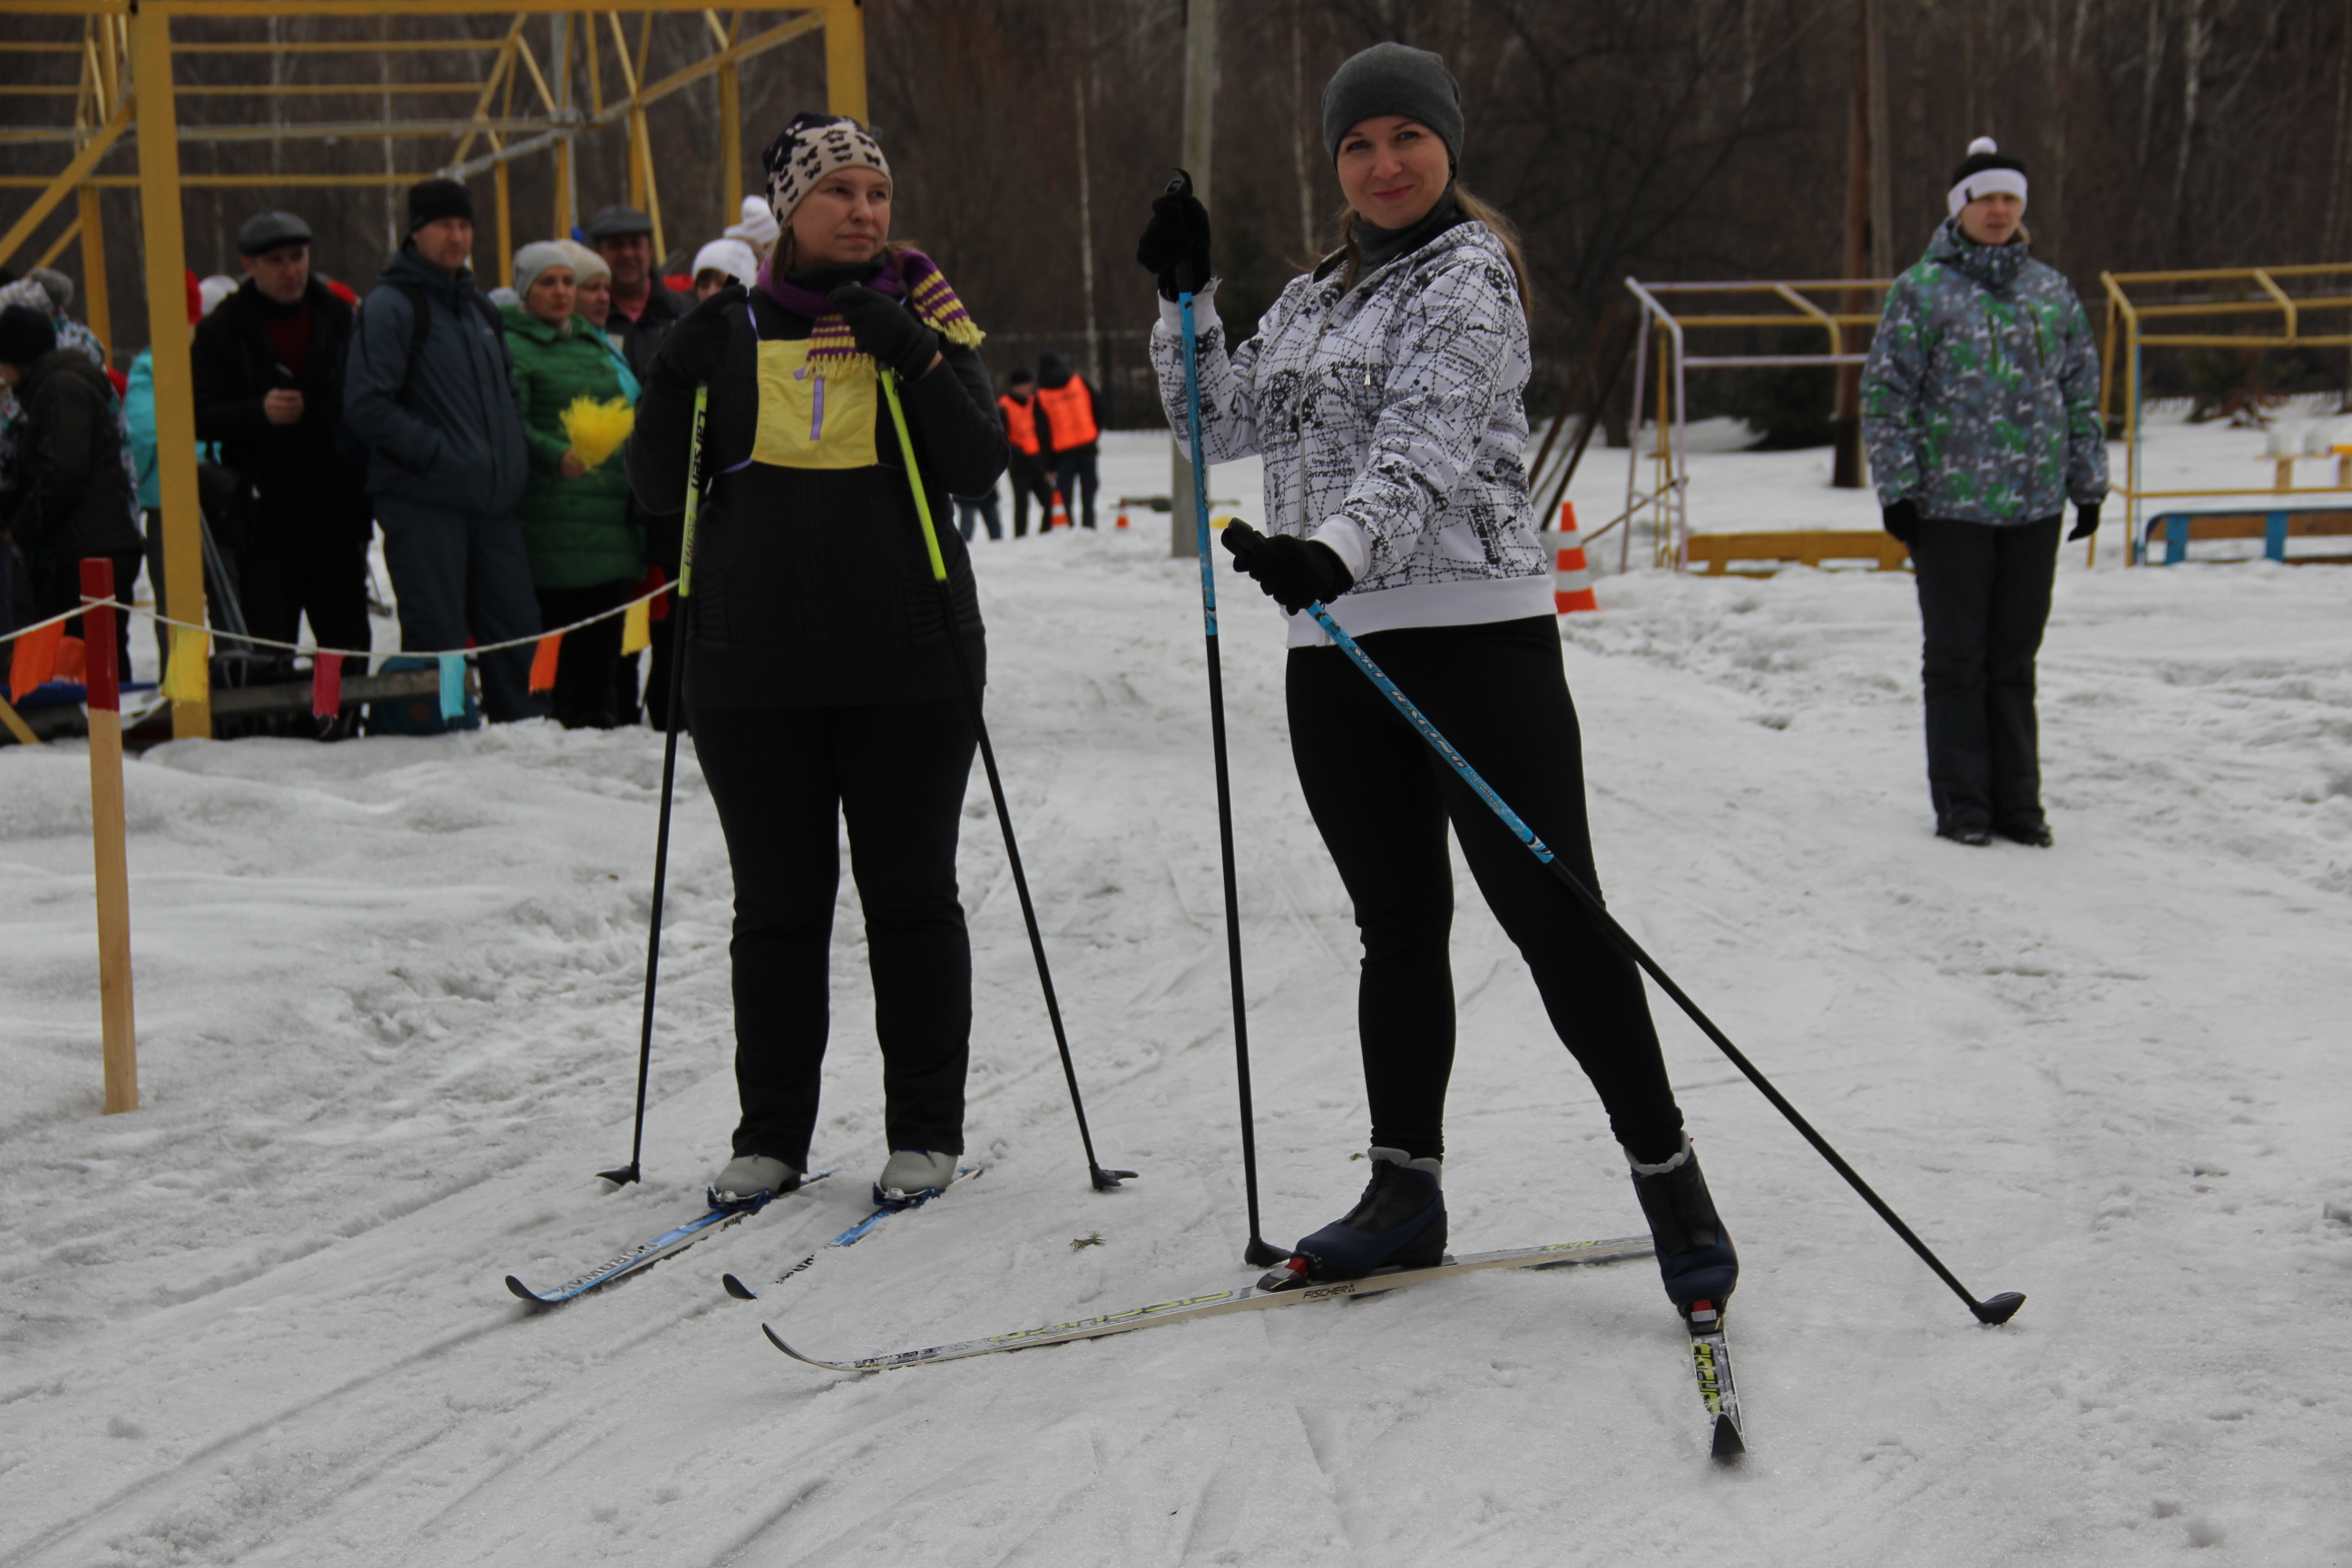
<point>1258,1252</point>
<point>1104,1180</point>
<point>1995,1309</point>
<point>631,1171</point>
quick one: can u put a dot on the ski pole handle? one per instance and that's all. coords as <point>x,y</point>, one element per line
<point>922,499</point>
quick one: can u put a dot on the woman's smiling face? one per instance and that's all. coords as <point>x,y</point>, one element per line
<point>1393,169</point>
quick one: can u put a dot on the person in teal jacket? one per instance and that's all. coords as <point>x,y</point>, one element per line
<point>1980,410</point>
<point>586,555</point>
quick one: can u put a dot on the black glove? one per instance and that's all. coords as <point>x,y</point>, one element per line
<point>1902,519</point>
<point>2086,522</point>
<point>1175,243</point>
<point>883,329</point>
<point>1294,572</point>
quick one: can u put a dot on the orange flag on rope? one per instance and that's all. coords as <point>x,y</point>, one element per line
<point>72,661</point>
<point>35,660</point>
<point>543,663</point>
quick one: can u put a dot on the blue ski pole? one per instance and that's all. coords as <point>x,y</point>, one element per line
<point>1997,1310</point>
<point>1259,1253</point>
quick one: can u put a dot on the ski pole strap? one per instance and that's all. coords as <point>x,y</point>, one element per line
<point>1404,705</point>
<point>914,476</point>
<point>1200,468</point>
<point>693,491</point>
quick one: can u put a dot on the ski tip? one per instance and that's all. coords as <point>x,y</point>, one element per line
<point>1728,1444</point>
<point>525,1292</point>
<point>777,1340</point>
<point>737,1288</point>
<point>1997,1310</point>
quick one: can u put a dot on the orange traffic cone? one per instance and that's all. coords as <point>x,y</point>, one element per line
<point>1571,579</point>
<point>1122,516</point>
<point>1061,517</point>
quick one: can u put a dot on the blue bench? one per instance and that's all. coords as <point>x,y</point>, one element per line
<point>2274,527</point>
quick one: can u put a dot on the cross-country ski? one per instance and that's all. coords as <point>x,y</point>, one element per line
<point>884,1207</point>
<point>721,1213</point>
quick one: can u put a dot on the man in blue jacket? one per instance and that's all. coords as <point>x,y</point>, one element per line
<point>429,387</point>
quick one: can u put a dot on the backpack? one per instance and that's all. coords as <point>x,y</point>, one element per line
<point>421,324</point>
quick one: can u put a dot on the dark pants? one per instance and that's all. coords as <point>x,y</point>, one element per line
<point>1030,481</point>
<point>1383,799</point>
<point>973,510</point>
<point>288,570</point>
<point>1072,470</point>
<point>587,676</point>
<point>783,780</point>
<point>459,574</point>
<point>1984,598</point>
<point>57,589</point>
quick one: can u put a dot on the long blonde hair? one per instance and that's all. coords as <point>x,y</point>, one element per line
<point>1473,207</point>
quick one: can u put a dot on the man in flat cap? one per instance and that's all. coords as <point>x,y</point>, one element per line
<point>643,308</point>
<point>268,369</point>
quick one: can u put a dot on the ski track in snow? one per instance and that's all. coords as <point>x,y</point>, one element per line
<point>388,998</point>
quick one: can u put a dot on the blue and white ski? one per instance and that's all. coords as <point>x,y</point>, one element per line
<point>856,1232</point>
<point>645,1255</point>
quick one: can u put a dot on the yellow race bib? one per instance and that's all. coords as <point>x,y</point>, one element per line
<point>812,418</point>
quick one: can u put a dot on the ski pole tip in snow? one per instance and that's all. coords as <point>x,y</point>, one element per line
<point>621,1176</point>
<point>1262,1254</point>
<point>1108,1181</point>
<point>1998,1309</point>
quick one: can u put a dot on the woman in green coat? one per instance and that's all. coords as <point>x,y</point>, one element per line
<point>586,556</point>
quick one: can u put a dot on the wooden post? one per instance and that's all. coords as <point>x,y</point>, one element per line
<point>105,836</point>
<point>167,302</point>
<point>93,269</point>
<point>845,58</point>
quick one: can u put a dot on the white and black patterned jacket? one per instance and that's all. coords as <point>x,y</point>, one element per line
<point>1391,426</point>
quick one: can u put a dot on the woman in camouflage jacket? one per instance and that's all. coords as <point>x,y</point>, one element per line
<point>1980,407</point>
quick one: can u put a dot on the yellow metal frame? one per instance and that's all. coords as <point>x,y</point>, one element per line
<point>126,46</point>
<point>1664,499</point>
<point>2227,291</point>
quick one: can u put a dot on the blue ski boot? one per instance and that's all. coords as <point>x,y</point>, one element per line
<point>1399,1223</point>
<point>1695,1254</point>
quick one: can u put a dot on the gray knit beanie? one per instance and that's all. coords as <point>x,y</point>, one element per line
<point>1393,79</point>
<point>536,258</point>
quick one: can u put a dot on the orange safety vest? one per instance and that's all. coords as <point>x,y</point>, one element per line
<point>1020,423</point>
<point>1070,410</point>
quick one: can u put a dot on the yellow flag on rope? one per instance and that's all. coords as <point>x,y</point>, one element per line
<point>636,627</point>
<point>189,679</point>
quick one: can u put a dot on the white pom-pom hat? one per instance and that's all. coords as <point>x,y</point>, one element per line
<point>1986,171</point>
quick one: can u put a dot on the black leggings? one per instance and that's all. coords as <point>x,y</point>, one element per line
<point>783,780</point>
<point>1383,799</point>
<point>1984,599</point>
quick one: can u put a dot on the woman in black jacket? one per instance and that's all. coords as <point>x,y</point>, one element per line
<point>820,677</point>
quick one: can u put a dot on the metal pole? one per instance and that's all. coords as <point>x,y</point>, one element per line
<point>93,269</point>
<point>845,58</point>
<point>1200,110</point>
<point>167,301</point>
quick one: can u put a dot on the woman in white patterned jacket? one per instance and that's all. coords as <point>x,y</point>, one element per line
<point>1383,392</point>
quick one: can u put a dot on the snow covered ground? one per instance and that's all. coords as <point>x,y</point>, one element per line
<point>388,995</point>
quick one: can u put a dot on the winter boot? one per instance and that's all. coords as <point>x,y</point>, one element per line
<point>1399,1223</point>
<point>1695,1254</point>
<point>748,1175</point>
<point>912,1173</point>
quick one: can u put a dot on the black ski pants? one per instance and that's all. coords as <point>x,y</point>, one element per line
<point>1073,472</point>
<point>1984,599</point>
<point>1030,482</point>
<point>459,575</point>
<point>296,565</point>
<point>784,780</point>
<point>1383,798</point>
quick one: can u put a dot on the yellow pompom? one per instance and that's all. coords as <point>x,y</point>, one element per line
<point>596,429</point>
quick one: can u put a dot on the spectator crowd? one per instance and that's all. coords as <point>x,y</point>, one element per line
<point>432,410</point>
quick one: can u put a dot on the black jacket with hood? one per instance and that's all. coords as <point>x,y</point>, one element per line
<point>445,430</point>
<point>74,499</point>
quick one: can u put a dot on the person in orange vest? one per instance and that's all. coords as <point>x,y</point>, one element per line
<point>1028,470</point>
<point>1066,424</point>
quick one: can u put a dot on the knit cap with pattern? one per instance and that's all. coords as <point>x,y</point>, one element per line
<point>813,146</point>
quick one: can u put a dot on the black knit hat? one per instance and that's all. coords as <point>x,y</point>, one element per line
<point>1392,78</point>
<point>429,201</point>
<point>26,335</point>
<point>1985,170</point>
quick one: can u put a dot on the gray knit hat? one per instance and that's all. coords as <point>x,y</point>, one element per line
<point>1392,78</point>
<point>536,258</point>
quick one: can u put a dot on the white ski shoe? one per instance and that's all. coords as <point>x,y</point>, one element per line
<point>911,1173</point>
<point>747,1175</point>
